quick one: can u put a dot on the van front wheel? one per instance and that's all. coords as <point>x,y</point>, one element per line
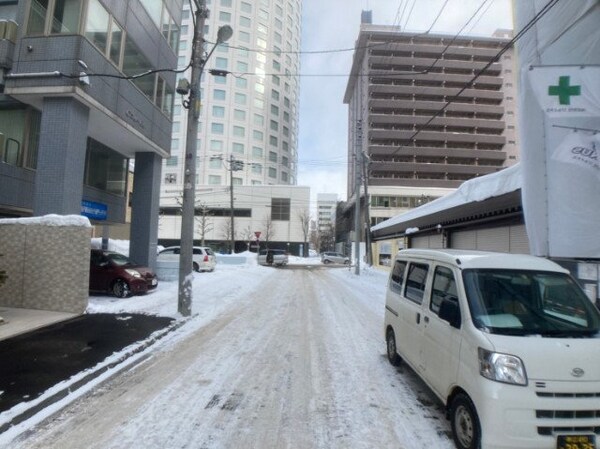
<point>465,423</point>
<point>392,352</point>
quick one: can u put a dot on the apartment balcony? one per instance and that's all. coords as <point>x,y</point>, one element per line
<point>385,135</point>
<point>434,106</point>
<point>492,156</point>
<point>457,51</point>
<point>8,37</point>
<point>478,125</point>
<point>395,63</point>
<point>444,93</point>
<point>489,82</point>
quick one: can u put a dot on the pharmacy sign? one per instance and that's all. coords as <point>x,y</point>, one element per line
<point>567,91</point>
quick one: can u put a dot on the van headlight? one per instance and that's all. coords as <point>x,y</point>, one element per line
<point>133,273</point>
<point>502,367</point>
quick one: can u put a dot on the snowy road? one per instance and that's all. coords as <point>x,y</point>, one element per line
<point>297,361</point>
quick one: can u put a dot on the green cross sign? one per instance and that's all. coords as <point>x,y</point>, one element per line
<point>563,90</point>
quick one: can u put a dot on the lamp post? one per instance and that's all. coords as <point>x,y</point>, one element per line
<point>184,303</point>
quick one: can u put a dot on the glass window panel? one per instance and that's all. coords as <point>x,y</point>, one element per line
<point>174,36</point>
<point>214,180</point>
<point>135,63</point>
<point>216,145</point>
<point>221,63</point>
<point>241,82</point>
<point>154,9</point>
<point>240,98</point>
<point>105,169</point>
<point>246,7</point>
<point>257,152</point>
<point>239,115</point>
<point>219,94</point>
<point>245,22</point>
<point>217,128</point>
<point>96,25</point>
<point>214,163</point>
<point>37,16</point>
<point>116,43</point>
<point>224,16</point>
<point>66,16</point>
<point>239,131</point>
<point>218,111</point>
<point>238,148</point>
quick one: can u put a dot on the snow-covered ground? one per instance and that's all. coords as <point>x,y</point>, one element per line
<point>271,358</point>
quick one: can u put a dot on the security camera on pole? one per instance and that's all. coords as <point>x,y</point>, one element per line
<point>184,305</point>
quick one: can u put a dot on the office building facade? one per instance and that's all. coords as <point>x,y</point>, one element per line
<point>74,110</point>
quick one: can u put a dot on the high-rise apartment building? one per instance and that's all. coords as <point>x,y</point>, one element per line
<point>422,119</point>
<point>251,113</point>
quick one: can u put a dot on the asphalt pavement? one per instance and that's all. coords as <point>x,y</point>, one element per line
<point>33,362</point>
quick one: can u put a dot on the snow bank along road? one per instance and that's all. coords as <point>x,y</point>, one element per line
<point>297,361</point>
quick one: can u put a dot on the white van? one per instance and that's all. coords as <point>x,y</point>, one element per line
<point>510,343</point>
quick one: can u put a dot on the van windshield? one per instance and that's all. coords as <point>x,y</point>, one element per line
<point>518,302</point>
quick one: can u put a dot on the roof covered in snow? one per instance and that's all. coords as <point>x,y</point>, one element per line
<point>497,190</point>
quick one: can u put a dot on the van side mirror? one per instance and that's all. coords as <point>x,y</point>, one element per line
<point>450,312</point>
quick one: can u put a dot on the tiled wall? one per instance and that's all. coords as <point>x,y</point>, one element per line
<point>47,267</point>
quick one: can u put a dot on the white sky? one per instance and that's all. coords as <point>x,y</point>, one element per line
<point>334,24</point>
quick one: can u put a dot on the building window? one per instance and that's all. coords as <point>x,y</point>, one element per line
<point>224,16</point>
<point>105,169</point>
<point>214,163</point>
<point>239,114</point>
<point>245,22</point>
<point>241,83</point>
<point>217,128</point>
<point>272,156</point>
<point>240,98</point>
<point>259,120</point>
<point>221,63</point>
<point>284,176</point>
<point>218,111</point>
<point>257,152</point>
<point>239,131</point>
<point>244,36</point>
<point>216,145</point>
<point>280,209</point>
<point>219,94</point>
<point>273,141</point>
<point>272,173</point>
<point>274,125</point>
<point>214,180</point>
<point>258,135</point>
<point>172,161</point>
<point>237,148</point>
<point>257,169</point>
<point>246,7</point>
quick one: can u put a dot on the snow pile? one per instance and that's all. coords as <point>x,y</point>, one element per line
<point>50,220</point>
<point>118,246</point>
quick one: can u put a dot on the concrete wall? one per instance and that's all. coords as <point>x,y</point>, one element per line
<point>47,267</point>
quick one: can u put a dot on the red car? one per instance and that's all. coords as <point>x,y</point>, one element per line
<point>115,273</point>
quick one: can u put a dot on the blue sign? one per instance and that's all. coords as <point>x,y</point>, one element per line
<point>93,210</point>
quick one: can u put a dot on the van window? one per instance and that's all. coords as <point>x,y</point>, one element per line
<point>415,282</point>
<point>397,276</point>
<point>444,287</point>
<point>519,302</point>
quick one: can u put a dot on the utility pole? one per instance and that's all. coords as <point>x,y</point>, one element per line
<point>368,252</point>
<point>357,179</point>
<point>188,206</point>
<point>184,304</point>
<point>231,201</point>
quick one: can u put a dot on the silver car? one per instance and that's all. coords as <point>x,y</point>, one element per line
<point>333,257</point>
<point>277,257</point>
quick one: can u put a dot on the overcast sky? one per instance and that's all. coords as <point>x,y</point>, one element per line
<point>333,25</point>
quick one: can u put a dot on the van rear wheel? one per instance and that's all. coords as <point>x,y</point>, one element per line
<point>466,431</point>
<point>392,352</point>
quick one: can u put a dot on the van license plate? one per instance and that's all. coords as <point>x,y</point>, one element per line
<point>575,442</point>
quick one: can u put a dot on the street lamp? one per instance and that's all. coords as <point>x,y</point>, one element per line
<point>184,303</point>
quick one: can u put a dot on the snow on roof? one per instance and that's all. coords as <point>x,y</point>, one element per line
<point>473,190</point>
<point>50,220</point>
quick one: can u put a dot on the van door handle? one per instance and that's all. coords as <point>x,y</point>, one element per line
<point>418,318</point>
<point>426,319</point>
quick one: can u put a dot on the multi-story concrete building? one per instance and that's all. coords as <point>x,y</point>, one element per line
<point>429,112</point>
<point>252,112</point>
<point>274,212</point>
<point>326,205</point>
<point>73,111</point>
